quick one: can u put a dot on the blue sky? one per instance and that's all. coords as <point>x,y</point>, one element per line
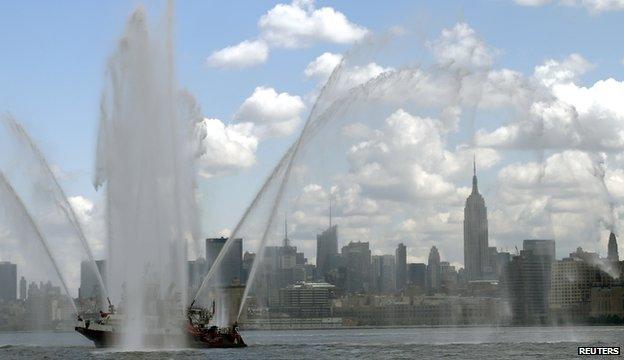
<point>54,54</point>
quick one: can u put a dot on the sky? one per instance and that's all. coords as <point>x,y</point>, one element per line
<point>255,68</point>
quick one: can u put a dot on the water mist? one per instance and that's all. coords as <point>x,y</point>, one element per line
<point>145,157</point>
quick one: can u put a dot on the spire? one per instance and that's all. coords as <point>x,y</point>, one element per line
<point>286,240</point>
<point>475,190</point>
<point>330,211</point>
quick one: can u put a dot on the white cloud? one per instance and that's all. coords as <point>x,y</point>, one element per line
<point>227,148</point>
<point>300,24</point>
<point>461,47</point>
<point>559,72</point>
<point>322,66</point>
<point>82,206</point>
<point>560,114</point>
<point>533,2</point>
<point>348,77</point>
<point>91,216</point>
<point>594,6</point>
<point>407,160</point>
<point>294,25</point>
<point>271,113</point>
<point>247,53</point>
<point>561,197</point>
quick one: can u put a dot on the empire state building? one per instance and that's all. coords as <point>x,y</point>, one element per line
<point>475,233</point>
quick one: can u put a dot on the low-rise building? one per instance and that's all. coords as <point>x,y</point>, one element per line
<point>607,303</point>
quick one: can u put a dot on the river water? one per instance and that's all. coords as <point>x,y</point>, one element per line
<point>379,343</point>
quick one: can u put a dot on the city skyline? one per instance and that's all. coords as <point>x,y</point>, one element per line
<point>296,73</point>
<point>368,179</point>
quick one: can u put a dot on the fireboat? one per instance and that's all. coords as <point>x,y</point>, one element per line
<point>196,332</point>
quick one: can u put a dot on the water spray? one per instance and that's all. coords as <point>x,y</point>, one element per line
<point>58,194</point>
<point>10,191</point>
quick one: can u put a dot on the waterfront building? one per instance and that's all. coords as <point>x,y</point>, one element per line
<point>607,303</point>
<point>401,267</point>
<point>8,281</point>
<point>422,310</point>
<point>306,300</point>
<point>475,233</point>
<point>572,280</point>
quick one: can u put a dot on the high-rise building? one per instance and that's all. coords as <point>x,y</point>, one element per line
<point>401,266</point>
<point>326,251</point>
<point>475,233</point>
<point>8,281</point>
<point>433,270</point>
<point>612,251</point>
<point>288,253</point>
<point>357,261</point>
<point>196,272</point>
<point>232,263</point>
<point>248,259</point>
<point>417,275</point>
<point>448,277</point>
<point>540,247</point>
<point>388,274</point>
<point>89,283</point>
<point>528,279</point>
<point>23,288</point>
<point>383,273</point>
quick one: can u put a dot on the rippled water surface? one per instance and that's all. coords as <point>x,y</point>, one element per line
<point>388,343</point>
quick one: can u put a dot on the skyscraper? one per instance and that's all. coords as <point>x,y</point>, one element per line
<point>89,283</point>
<point>357,260</point>
<point>326,250</point>
<point>612,253</point>
<point>475,232</point>
<point>433,270</point>
<point>8,281</point>
<point>417,275</point>
<point>401,266</point>
<point>528,281</point>
<point>540,247</point>
<point>22,287</point>
<point>232,265</point>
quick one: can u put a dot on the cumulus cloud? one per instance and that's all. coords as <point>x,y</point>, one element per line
<point>247,53</point>
<point>271,113</point>
<point>561,197</point>
<point>322,66</point>
<point>407,161</point>
<point>460,47</point>
<point>564,115</point>
<point>594,6</point>
<point>568,70</point>
<point>91,216</point>
<point>295,25</point>
<point>227,148</point>
<point>300,24</point>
